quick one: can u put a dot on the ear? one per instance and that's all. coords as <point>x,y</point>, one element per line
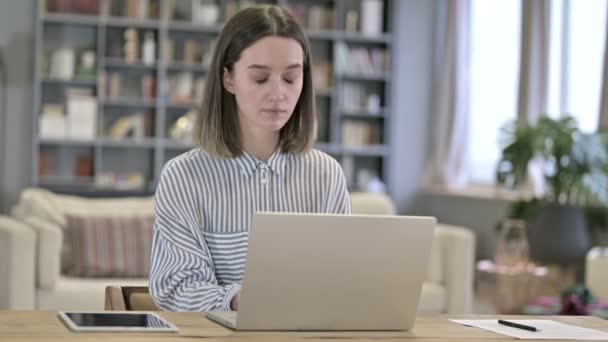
<point>228,80</point>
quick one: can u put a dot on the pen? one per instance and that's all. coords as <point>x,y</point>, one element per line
<point>517,325</point>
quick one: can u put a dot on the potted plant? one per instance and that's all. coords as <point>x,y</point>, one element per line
<point>573,165</point>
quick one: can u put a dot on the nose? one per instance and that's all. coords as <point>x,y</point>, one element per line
<point>277,90</point>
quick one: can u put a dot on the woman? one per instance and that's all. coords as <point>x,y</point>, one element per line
<point>254,132</point>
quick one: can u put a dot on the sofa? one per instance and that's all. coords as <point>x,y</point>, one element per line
<point>33,243</point>
<point>17,271</point>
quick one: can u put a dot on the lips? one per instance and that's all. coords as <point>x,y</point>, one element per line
<point>274,110</point>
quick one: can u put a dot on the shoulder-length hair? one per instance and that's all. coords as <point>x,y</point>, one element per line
<point>217,128</point>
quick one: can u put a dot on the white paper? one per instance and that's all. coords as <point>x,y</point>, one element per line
<point>548,329</point>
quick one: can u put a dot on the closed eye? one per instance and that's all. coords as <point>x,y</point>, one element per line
<point>261,81</point>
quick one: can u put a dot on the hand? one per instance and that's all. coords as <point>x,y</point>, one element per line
<point>235,301</point>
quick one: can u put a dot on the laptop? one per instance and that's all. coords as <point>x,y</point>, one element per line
<point>325,272</point>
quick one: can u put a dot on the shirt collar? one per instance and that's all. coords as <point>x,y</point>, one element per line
<point>250,164</point>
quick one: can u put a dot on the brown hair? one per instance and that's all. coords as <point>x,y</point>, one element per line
<point>217,130</point>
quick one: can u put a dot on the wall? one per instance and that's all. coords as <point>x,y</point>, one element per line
<point>478,214</point>
<point>414,23</point>
<point>16,44</point>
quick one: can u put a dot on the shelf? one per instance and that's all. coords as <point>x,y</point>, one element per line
<point>127,143</point>
<point>365,150</point>
<point>186,26</point>
<point>363,114</point>
<point>126,102</point>
<point>365,77</point>
<point>181,106</point>
<point>350,37</point>
<point>102,141</point>
<point>186,67</point>
<point>323,35</point>
<point>327,148</point>
<point>370,150</point>
<point>355,37</point>
<point>86,186</point>
<point>150,153</point>
<point>119,63</point>
<point>171,144</point>
<point>69,83</point>
<point>70,19</point>
<point>67,181</point>
<point>66,142</point>
<point>323,92</point>
<point>123,22</point>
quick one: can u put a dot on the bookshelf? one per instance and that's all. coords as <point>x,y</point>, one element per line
<point>135,102</point>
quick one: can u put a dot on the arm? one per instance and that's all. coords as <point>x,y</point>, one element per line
<point>337,200</point>
<point>458,257</point>
<point>49,244</point>
<point>17,252</point>
<point>182,277</point>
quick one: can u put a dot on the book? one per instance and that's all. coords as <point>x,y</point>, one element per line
<point>82,117</point>
<point>83,165</point>
<point>357,133</point>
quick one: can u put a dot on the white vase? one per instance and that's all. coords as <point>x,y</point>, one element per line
<point>204,14</point>
<point>372,17</point>
<point>149,49</point>
<point>512,248</point>
<point>62,64</point>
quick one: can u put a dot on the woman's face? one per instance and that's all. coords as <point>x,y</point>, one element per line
<point>267,82</point>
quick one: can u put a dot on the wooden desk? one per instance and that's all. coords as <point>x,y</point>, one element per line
<point>21,326</point>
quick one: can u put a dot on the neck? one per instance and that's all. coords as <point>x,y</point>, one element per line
<point>259,144</point>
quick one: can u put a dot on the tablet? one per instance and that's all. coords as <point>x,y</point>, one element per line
<point>116,321</point>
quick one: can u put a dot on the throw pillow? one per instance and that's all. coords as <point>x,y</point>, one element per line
<point>109,246</point>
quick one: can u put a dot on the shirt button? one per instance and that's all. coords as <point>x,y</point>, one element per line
<point>264,173</point>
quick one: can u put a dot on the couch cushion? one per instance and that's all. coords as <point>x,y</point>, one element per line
<point>368,203</point>
<point>48,206</point>
<point>110,246</point>
<point>54,207</point>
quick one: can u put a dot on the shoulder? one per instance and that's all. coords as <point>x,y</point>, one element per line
<point>195,159</point>
<point>188,167</point>
<point>184,177</point>
<point>318,160</point>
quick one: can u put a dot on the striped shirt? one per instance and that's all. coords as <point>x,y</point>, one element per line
<point>203,211</point>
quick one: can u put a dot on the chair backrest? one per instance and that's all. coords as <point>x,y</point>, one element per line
<point>129,298</point>
<point>368,203</point>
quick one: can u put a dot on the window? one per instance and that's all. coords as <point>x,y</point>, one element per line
<point>495,37</point>
<point>578,30</point>
<point>584,60</point>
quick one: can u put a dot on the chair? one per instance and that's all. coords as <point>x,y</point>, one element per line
<point>37,277</point>
<point>367,203</point>
<point>596,271</point>
<point>448,287</point>
<point>129,298</point>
